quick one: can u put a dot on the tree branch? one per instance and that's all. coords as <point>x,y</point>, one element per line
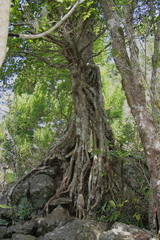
<point>22,23</point>
<point>96,54</point>
<point>45,60</point>
<point>41,35</point>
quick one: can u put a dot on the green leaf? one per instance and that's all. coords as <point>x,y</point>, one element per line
<point>137,216</point>
<point>114,216</point>
<point>4,206</point>
<point>9,177</point>
<point>112,204</point>
<point>122,204</point>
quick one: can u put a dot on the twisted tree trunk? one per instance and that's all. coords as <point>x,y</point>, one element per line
<point>89,137</point>
<point>87,171</point>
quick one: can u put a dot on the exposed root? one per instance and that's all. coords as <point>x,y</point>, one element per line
<point>58,193</point>
<point>73,180</point>
<point>64,147</point>
<point>80,213</point>
<point>64,186</point>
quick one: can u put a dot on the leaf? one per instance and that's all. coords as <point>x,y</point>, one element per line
<point>4,206</point>
<point>114,216</point>
<point>87,15</point>
<point>122,204</point>
<point>9,177</point>
<point>137,216</point>
<point>112,204</point>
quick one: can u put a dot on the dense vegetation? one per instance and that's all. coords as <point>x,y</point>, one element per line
<point>103,50</point>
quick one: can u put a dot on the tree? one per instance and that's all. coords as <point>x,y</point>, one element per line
<point>133,82</point>
<point>89,137</point>
<point>89,126</point>
<point>4,23</point>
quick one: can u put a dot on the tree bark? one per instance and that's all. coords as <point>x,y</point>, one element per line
<point>4,22</point>
<point>89,137</point>
<point>132,83</point>
<point>154,78</point>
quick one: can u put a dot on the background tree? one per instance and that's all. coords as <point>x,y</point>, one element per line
<point>133,81</point>
<point>4,23</point>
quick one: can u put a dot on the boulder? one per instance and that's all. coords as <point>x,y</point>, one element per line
<point>121,231</point>
<point>38,226</point>
<point>42,188</point>
<point>23,237</point>
<point>21,228</point>
<point>20,191</point>
<point>58,217</point>
<point>5,213</point>
<point>30,193</point>
<point>77,229</point>
<point>63,201</point>
<point>2,231</point>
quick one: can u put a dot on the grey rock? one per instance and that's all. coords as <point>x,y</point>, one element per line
<point>41,189</point>
<point>40,225</point>
<point>132,171</point>
<point>40,238</point>
<point>20,191</point>
<point>38,184</point>
<point>2,231</point>
<point>24,228</point>
<point>61,201</point>
<point>58,217</point>
<point>77,229</point>
<point>121,231</point>
<point>23,237</point>
<point>5,212</point>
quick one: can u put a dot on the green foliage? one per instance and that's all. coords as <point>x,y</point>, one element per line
<point>42,103</point>
<point>41,107</point>
<point>111,211</point>
<point>23,210</point>
<point>3,222</point>
<point>2,134</point>
<point>112,90</point>
<point>8,152</point>
<point>117,110</point>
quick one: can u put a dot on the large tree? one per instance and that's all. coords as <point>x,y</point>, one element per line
<point>89,127</point>
<point>88,174</point>
<point>89,136</point>
<point>126,55</point>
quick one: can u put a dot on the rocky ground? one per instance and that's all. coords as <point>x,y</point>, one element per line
<point>59,225</point>
<point>25,220</point>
